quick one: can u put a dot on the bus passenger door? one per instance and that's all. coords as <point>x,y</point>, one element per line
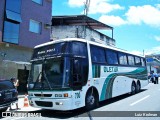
<point>79,73</point>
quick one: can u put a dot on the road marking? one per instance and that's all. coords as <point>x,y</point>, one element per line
<point>140,100</point>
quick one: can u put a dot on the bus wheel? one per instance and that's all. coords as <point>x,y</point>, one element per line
<point>90,100</point>
<point>133,88</point>
<point>138,87</point>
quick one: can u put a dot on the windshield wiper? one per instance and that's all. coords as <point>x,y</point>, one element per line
<point>37,80</point>
<point>43,75</point>
<point>47,80</point>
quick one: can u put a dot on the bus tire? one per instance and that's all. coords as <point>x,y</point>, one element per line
<point>91,100</point>
<point>133,88</point>
<point>138,87</point>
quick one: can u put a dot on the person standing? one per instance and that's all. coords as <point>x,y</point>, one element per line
<point>156,78</point>
<point>16,84</point>
<point>152,77</point>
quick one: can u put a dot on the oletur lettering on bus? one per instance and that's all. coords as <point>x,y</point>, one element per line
<point>110,69</point>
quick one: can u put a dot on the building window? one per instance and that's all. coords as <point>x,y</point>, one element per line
<point>101,37</point>
<point>38,1</point>
<point>11,32</point>
<point>12,12</point>
<point>13,5</point>
<point>13,16</point>
<point>35,26</point>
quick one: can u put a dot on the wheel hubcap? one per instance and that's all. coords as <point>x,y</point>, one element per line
<point>91,100</point>
<point>133,88</point>
<point>138,87</point>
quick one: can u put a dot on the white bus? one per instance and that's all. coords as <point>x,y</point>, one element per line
<point>71,73</point>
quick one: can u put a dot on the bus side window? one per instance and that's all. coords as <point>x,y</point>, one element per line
<point>137,61</point>
<point>131,60</point>
<point>122,58</point>
<point>97,54</point>
<point>111,57</point>
<point>79,49</point>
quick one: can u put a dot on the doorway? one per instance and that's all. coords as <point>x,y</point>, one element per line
<point>22,77</point>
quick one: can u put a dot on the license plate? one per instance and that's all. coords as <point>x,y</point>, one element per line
<point>8,95</point>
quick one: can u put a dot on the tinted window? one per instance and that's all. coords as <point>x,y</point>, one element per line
<point>13,16</point>
<point>11,32</point>
<point>122,58</point>
<point>111,57</point>
<point>79,48</point>
<point>13,5</point>
<point>137,61</point>
<point>37,1</point>
<point>80,70</point>
<point>5,85</point>
<point>97,54</point>
<point>131,60</point>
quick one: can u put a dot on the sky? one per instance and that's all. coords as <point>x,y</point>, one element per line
<point>136,23</point>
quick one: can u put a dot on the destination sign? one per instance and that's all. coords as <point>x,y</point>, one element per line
<point>50,50</point>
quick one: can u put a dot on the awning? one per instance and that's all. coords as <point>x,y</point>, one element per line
<point>18,62</point>
<point>79,20</point>
<point>13,16</point>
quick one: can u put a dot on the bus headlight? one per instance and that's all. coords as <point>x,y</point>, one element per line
<point>59,103</point>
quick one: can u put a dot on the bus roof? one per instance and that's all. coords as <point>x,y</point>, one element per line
<point>84,40</point>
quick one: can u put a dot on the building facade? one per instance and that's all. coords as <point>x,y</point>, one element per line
<point>23,25</point>
<point>80,26</point>
<point>153,63</point>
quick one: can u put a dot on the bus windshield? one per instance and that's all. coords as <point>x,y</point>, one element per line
<point>59,65</point>
<point>50,74</point>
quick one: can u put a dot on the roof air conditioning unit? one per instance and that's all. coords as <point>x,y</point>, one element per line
<point>47,26</point>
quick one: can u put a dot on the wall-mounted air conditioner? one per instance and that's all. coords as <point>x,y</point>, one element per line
<point>47,26</point>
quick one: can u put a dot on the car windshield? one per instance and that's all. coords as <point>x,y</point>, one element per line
<point>50,74</point>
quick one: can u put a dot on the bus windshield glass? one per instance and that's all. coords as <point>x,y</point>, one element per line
<point>50,74</point>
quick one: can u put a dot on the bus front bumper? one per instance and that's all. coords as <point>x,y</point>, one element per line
<point>54,104</point>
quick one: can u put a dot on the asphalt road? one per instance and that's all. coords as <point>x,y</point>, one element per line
<point>142,106</point>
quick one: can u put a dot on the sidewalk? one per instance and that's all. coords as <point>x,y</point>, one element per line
<point>21,105</point>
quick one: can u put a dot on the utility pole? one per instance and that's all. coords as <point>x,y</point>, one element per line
<point>86,9</point>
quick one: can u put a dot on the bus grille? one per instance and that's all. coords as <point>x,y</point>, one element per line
<point>44,95</point>
<point>44,104</point>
